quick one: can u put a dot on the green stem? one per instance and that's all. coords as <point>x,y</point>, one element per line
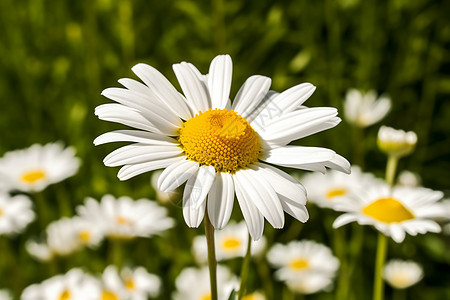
<point>41,207</point>
<point>378,285</point>
<point>245,267</point>
<point>391,169</point>
<point>212,263</point>
<point>343,280</point>
<point>116,252</point>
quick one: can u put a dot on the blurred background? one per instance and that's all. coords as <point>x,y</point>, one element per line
<point>57,56</point>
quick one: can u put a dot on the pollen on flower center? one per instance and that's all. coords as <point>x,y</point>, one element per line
<point>33,176</point>
<point>336,192</point>
<point>129,284</point>
<point>206,297</point>
<point>107,295</point>
<point>231,243</point>
<point>84,236</point>
<point>388,210</point>
<point>65,295</point>
<point>220,138</point>
<point>299,264</point>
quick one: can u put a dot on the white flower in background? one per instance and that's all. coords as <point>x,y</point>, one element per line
<point>219,148</point>
<point>74,285</point>
<point>408,178</point>
<point>365,109</point>
<point>161,196</point>
<point>299,259</point>
<point>230,242</point>
<point>193,284</point>
<point>15,213</point>
<point>323,189</point>
<point>5,295</point>
<point>113,287</point>
<point>396,142</point>
<point>313,283</point>
<point>126,218</point>
<point>135,284</point>
<point>34,168</point>
<point>64,237</point>
<point>394,211</point>
<point>401,274</point>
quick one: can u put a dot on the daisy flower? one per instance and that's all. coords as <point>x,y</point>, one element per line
<point>254,296</point>
<point>402,274</point>
<point>230,242</point>
<point>126,218</point>
<point>220,149</point>
<point>310,284</point>
<point>64,237</point>
<point>365,109</point>
<point>134,284</point>
<point>34,168</point>
<point>396,142</point>
<point>408,178</point>
<point>299,259</point>
<point>393,212</point>
<point>74,285</point>
<point>193,284</point>
<point>15,213</point>
<point>323,189</point>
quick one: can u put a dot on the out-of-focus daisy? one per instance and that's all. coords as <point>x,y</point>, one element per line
<point>34,168</point>
<point>135,284</point>
<point>64,237</point>
<point>74,285</point>
<point>401,274</point>
<point>230,242</point>
<point>15,213</point>
<point>254,296</point>
<point>365,109</point>
<point>219,148</point>
<point>161,196</point>
<point>310,284</point>
<point>323,189</point>
<point>193,284</point>
<point>392,211</point>
<point>5,295</point>
<point>126,218</point>
<point>396,142</point>
<point>300,259</point>
<point>408,178</point>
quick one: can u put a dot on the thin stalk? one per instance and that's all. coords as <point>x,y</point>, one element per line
<point>245,267</point>
<point>378,284</point>
<point>41,207</point>
<point>343,280</point>
<point>212,263</point>
<point>116,252</point>
<point>391,169</point>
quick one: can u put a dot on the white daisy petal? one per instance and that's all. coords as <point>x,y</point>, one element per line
<point>339,163</point>
<point>134,136</point>
<point>140,153</point>
<point>163,89</point>
<point>128,171</point>
<point>250,94</point>
<point>121,114</point>
<point>137,86</point>
<point>343,220</point>
<point>253,218</point>
<point>197,189</point>
<point>193,212</point>
<point>294,208</point>
<point>177,174</point>
<point>219,80</point>
<point>193,86</point>
<point>292,156</point>
<point>397,233</point>
<point>221,200</point>
<point>263,196</point>
<point>293,125</point>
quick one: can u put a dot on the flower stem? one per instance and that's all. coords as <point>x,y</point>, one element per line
<point>245,267</point>
<point>391,169</point>
<point>378,285</point>
<point>212,263</point>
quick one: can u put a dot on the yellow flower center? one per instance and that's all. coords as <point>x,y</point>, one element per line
<point>336,192</point>
<point>107,295</point>
<point>121,220</point>
<point>33,176</point>
<point>299,264</point>
<point>220,138</point>
<point>230,243</point>
<point>84,236</point>
<point>1,212</point>
<point>129,284</point>
<point>206,297</point>
<point>65,295</point>
<point>249,297</point>
<point>388,210</point>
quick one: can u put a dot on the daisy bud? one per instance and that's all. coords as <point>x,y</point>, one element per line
<point>396,142</point>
